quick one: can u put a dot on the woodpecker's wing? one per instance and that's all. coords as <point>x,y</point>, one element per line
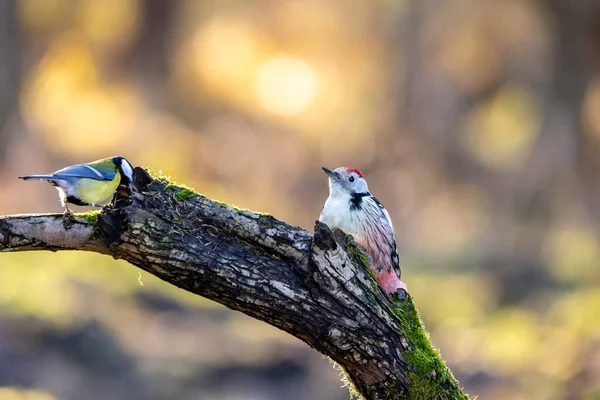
<point>395,260</point>
<point>384,211</point>
<point>104,173</point>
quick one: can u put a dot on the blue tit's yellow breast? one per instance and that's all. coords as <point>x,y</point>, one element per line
<point>97,192</point>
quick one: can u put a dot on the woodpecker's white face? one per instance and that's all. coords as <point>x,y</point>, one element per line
<point>346,181</point>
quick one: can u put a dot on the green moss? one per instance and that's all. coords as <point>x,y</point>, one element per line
<point>360,256</point>
<point>430,377</point>
<point>157,175</point>
<point>184,194</point>
<point>91,218</point>
<point>358,253</point>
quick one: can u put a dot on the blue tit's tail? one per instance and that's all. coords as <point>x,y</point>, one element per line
<point>42,177</point>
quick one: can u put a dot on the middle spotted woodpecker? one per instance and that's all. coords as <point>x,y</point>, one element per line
<point>353,209</point>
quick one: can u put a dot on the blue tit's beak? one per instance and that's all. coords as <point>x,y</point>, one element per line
<point>331,173</point>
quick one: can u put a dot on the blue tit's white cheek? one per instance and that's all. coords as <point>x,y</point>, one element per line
<point>127,170</point>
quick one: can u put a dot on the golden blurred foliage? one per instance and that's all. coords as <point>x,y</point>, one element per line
<point>470,58</point>
<point>225,54</point>
<point>473,297</point>
<point>76,113</point>
<point>511,340</point>
<point>7,393</point>
<point>109,25</point>
<point>591,110</point>
<point>572,252</point>
<point>286,85</point>
<point>501,131</point>
<point>43,15</point>
<point>451,221</point>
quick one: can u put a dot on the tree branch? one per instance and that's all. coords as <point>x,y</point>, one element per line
<point>315,287</point>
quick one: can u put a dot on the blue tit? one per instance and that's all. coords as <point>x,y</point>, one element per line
<point>90,184</point>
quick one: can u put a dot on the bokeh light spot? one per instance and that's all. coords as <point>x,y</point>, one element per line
<point>225,52</point>
<point>591,110</point>
<point>470,58</point>
<point>9,393</point>
<point>42,14</point>
<point>286,86</point>
<point>573,254</point>
<point>74,111</point>
<point>511,340</point>
<point>501,132</point>
<point>109,24</point>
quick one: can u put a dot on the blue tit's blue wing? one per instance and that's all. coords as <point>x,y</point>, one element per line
<point>85,171</point>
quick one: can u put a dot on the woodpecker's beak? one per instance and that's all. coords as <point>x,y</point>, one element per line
<point>331,173</point>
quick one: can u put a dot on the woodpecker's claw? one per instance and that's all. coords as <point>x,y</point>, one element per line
<point>400,296</point>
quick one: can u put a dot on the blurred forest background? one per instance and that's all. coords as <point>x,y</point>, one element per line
<point>477,123</point>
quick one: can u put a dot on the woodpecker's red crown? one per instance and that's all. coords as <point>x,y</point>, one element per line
<point>345,181</point>
<point>356,171</point>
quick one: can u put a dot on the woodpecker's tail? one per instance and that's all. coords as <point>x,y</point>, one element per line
<point>41,177</point>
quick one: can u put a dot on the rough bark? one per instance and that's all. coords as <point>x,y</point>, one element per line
<point>315,287</point>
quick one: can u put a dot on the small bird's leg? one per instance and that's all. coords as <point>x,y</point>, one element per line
<point>68,220</point>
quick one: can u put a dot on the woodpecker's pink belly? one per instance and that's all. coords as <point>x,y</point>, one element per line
<point>389,282</point>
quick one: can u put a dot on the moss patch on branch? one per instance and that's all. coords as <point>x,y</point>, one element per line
<point>356,251</point>
<point>91,218</point>
<point>430,377</point>
<point>185,192</point>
